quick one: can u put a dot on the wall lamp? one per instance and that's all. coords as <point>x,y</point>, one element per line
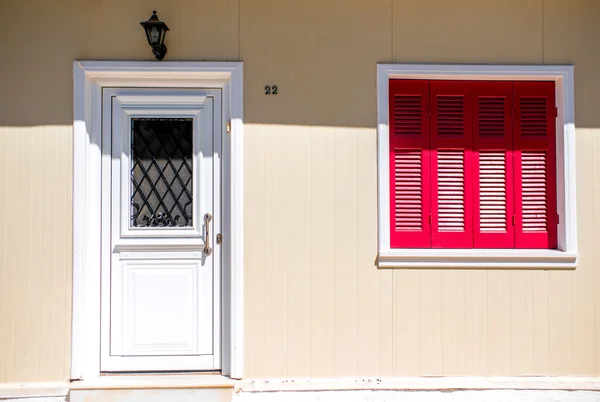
<point>156,30</point>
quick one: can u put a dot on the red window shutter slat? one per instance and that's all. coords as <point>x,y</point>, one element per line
<point>451,164</point>
<point>409,164</point>
<point>493,170</point>
<point>535,165</point>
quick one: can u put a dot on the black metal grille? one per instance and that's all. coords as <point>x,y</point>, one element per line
<point>161,172</point>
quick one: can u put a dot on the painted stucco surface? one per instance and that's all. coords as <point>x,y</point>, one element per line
<point>315,304</point>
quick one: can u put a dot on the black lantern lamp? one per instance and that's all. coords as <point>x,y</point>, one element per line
<point>156,30</point>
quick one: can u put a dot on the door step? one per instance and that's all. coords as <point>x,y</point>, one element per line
<point>152,395</point>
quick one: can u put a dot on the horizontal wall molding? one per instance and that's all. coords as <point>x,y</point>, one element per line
<point>148,382</point>
<point>33,390</point>
<point>424,384</point>
<point>422,396</point>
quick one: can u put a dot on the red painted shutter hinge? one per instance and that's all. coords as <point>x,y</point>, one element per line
<point>555,112</point>
<point>513,220</point>
<point>557,219</point>
<point>430,219</point>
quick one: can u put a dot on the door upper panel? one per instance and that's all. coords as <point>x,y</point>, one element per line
<point>164,171</point>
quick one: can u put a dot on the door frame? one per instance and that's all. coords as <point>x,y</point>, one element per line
<point>89,77</point>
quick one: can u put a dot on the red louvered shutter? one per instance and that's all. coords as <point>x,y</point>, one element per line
<point>451,164</point>
<point>409,164</point>
<point>535,165</point>
<point>493,170</point>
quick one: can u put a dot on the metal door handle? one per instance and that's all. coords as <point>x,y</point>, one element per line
<point>207,219</point>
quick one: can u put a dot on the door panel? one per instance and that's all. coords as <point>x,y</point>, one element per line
<point>160,299</point>
<point>163,306</point>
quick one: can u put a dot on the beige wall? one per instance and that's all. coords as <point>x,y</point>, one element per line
<point>315,303</point>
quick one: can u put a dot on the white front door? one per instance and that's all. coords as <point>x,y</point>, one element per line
<point>160,219</point>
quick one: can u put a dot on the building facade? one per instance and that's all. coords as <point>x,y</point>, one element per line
<point>308,281</point>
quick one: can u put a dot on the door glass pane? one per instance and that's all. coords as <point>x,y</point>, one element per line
<point>161,172</point>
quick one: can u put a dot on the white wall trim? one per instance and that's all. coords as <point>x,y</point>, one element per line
<point>477,258</point>
<point>33,390</point>
<point>566,255</point>
<point>421,384</point>
<point>419,396</point>
<point>89,78</point>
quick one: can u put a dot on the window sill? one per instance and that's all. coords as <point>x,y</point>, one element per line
<point>480,259</point>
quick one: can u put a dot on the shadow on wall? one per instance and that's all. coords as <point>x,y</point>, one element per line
<point>325,75</point>
<point>37,95</point>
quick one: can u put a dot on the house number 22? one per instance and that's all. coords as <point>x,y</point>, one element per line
<point>271,90</point>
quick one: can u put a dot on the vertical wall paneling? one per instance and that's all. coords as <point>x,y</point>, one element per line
<point>35,258</point>
<point>511,319</point>
<point>369,308</point>
<point>570,324</point>
<point>476,323</point>
<point>25,344</point>
<point>322,222</point>
<point>39,208</point>
<point>560,284</point>
<point>254,251</point>
<point>276,221</point>
<point>430,323</point>
<point>498,324</point>
<point>64,262</point>
<point>559,324</point>
<point>540,323</point>
<point>521,324</point>
<point>49,245</point>
<point>596,261</point>
<point>453,323</point>
<point>582,279</point>
<point>10,143</point>
<point>468,21</point>
<point>345,252</point>
<point>407,331</point>
<point>387,328</point>
<point>315,304</point>
<point>299,274</point>
<point>210,27</point>
<point>3,235</point>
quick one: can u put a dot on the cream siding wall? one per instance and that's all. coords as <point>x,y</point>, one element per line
<point>315,303</point>
<point>35,248</point>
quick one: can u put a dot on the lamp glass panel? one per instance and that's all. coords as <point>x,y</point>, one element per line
<point>154,35</point>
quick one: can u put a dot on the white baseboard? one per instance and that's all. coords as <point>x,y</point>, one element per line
<point>37,399</point>
<point>220,389</point>
<point>420,396</point>
<point>42,392</point>
<point>422,384</point>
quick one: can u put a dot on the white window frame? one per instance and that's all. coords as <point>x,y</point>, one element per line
<point>89,77</point>
<point>565,257</point>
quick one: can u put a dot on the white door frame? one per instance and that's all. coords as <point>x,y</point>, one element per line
<point>89,79</point>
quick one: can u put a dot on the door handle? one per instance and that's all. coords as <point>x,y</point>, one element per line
<point>207,218</point>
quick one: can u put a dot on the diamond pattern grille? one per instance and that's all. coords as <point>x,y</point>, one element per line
<point>161,172</point>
